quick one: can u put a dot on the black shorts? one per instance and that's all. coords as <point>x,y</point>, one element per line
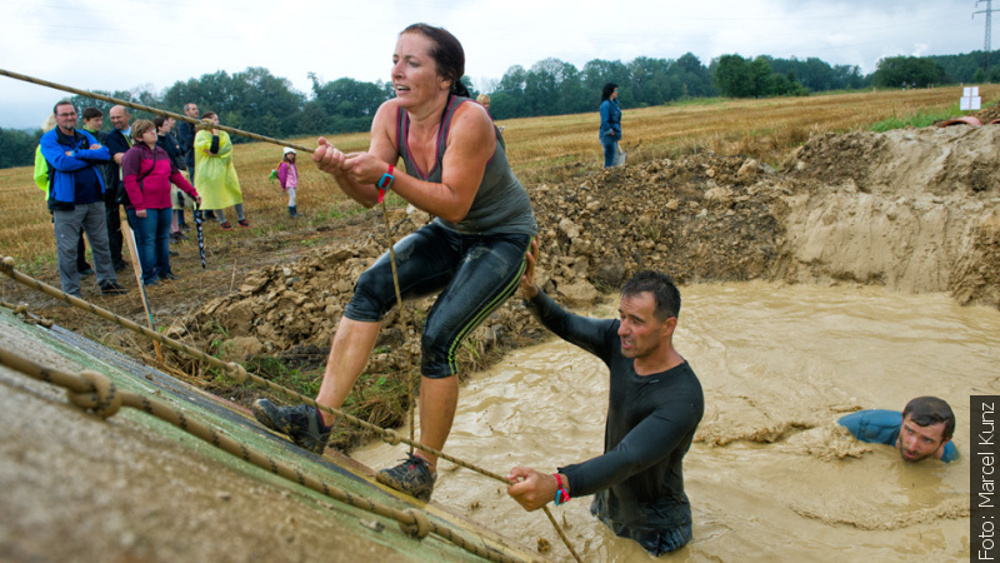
<point>474,274</point>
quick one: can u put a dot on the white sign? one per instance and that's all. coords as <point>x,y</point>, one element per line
<point>970,99</point>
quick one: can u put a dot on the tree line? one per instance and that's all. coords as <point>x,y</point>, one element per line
<point>256,100</point>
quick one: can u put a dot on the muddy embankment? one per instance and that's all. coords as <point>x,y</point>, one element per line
<point>915,210</point>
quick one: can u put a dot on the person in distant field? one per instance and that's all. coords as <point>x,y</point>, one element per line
<point>922,431</point>
<point>119,141</point>
<point>76,199</point>
<point>611,123</point>
<point>216,180</point>
<point>149,172</point>
<point>655,403</point>
<point>288,177</point>
<point>484,101</point>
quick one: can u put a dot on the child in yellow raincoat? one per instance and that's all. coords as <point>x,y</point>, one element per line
<point>216,178</point>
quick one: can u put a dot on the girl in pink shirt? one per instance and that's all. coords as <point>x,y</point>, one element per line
<point>288,176</point>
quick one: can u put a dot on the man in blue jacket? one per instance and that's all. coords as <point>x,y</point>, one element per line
<point>923,430</point>
<point>76,199</point>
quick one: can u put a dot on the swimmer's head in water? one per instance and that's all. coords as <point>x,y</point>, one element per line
<point>928,424</point>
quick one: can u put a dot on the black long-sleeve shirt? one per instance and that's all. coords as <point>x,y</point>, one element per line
<point>652,419</point>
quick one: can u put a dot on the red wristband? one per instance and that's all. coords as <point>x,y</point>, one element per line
<point>562,495</point>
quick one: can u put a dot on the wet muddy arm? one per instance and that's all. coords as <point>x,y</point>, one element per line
<point>658,438</point>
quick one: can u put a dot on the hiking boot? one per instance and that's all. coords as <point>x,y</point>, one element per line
<point>301,423</point>
<point>169,276</point>
<point>226,226</point>
<point>112,288</point>
<point>413,476</point>
<point>243,223</point>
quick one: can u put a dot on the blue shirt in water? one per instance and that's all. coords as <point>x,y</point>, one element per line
<point>880,426</point>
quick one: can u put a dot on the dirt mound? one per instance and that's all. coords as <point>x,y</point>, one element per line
<point>912,209</point>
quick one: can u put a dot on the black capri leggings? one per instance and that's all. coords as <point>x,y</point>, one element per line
<point>474,273</point>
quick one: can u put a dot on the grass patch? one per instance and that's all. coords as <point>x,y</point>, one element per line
<point>922,118</point>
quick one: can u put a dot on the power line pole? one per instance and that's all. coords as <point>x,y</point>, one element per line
<point>989,32</point>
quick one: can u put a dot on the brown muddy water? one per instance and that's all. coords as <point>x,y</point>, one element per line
<point>771,476</point>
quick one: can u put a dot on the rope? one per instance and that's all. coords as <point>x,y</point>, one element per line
<point>152,110</point>
<point>240,374</point>
<point>399,301</point>
<point>94,391</point>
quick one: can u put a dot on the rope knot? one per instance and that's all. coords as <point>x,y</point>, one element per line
<point>237,372</point>
<point>420,528</point>
<point>390,437</point>
<point>103,397</point>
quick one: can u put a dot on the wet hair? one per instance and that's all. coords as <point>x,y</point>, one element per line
<point>926,411</point>
<point>665,292</point>
<point>141,126</point>
<point>609,89</point>
<point>55,108</point>
<point>447,53</point>
<point>90,113</point>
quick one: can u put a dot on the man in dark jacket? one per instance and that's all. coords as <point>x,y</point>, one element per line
<point>119,141</point>
<point>185,137</point>
<point>654,407</point>
<point>76,191</point>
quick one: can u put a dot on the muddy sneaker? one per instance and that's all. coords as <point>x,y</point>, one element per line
<point>301,423</point>
<point>413,477</point>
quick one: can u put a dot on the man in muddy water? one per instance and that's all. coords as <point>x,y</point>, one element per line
<point>655,405</point>
<point>923,430</point>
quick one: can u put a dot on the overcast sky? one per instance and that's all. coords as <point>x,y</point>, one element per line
<point>120,45</point>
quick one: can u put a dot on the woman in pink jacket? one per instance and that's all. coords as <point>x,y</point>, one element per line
<point>148,173</point>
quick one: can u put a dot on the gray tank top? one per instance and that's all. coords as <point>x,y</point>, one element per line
<point>501,204</point>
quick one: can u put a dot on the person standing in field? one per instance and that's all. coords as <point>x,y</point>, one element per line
<point>472,254</point>
<point>216,178</point>
<point>185,138</point>
<point>76,199</point>
<point>288,177</point>
<point>119,141</point>
<point>149,171</point>
<point>42,181</point>
<point>178,198</point>
<point>611,123</point>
